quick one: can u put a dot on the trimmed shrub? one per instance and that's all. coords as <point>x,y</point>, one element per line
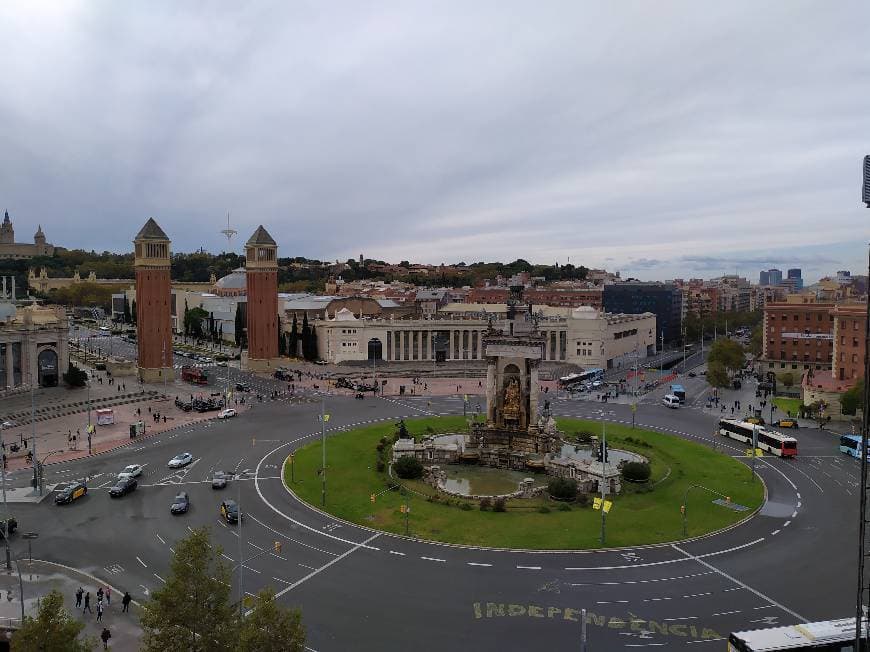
<point>543,509</point>
<point>381,467</point>
<point>562,488</point>
<point>498,505</point>
<point>564,507</point>
<point>408,468</point>
<point>636,471</point>
<point>583,500</point>
<point>465,507</point>
<point>485,504</point>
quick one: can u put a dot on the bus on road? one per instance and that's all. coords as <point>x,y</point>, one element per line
<point>679,391</point>
<point>583,378</point>
<point>768,440</point>
<point>851,445</point>
<point>825,636</point>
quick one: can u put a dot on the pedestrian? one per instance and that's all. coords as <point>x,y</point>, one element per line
<point>164,418</point>
<point>100,611</point>
<point>149,407</point>
<point>87,606</point>
<point>100,594</point>
<point>126,602</point>
<point>108,595</point>
<point>105,636</point>
<point>79,595</point>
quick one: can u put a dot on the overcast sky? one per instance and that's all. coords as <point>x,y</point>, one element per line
<point>661,139</point>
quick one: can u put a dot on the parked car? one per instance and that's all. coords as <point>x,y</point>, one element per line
<point>228,413</point>
<point>131,471</point>
<point>181,503</point>
<point>219,480</point>
<point>321,362</point>
<point>692,374</point>
<point>787,423</point>
<point>123,486</point>
<point>230,511</point>
<point>70,493</point>
<point>180,460</point>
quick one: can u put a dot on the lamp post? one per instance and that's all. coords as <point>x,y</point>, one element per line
<point>241,563</point>
<point>754,447</point>
<point>5,504</point>
<point>603,478</point>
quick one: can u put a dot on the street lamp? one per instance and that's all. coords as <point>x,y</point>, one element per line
<point>5,504</point>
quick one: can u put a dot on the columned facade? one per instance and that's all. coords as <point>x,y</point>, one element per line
<point>33,348</point>
<point>261,263</point>
<point>153,311</point>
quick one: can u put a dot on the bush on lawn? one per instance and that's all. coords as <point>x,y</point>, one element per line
<point>583,500</point>
<point>408,468</point>
<point>543,509</point>
<point>636,471</point>
<point>562,488</point>
<point>485,504</point>
<point>498,505</point>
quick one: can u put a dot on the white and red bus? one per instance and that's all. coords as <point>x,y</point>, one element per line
<point>768,440</point>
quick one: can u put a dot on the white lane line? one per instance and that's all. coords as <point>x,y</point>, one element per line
<point>252,569</point>
<point>786,524</point>
<point>159,578</point>
<point>775,532</point>
<point>144,565</point>
<point>443,561</point>
<point>328,564</point>
<point>226,557</point>
<point>726,613</point>
<point>393,552</point>
<point>667,561</point>
<point>739,583</point>
<point>278,579</point>
<point>529,567</point>
<point>799,504</point>
<point>799,496</point>
<point>474,563</point>
<point>794,514</point>
<point>705,640</point>
<point>308,567</point>
<point>682,618</point>
<point>306,545</point>
<point>161,539</point>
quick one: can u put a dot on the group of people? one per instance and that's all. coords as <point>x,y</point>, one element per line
<point>83,602</point>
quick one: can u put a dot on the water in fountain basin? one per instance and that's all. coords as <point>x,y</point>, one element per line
<point>481,480</point>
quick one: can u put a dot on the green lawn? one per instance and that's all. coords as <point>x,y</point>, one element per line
<point>637,517</point>
<point>787,404</point>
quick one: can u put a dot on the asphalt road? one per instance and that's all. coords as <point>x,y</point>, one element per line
<point>364,590</point>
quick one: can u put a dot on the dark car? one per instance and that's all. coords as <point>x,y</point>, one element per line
<point>123,486</point>
<point>230,511</point>
<point>181,503</point>
<point>71,493</point>
<point>692,374</point>
<point>219,480</point>
<point>242,387</point>
<point>12,525</point>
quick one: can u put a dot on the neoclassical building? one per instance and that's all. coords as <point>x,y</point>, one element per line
<point>33,345</point>
<point>22,250</point>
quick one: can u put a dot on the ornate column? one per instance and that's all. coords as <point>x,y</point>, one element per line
<point>533,390</point>
<point>491,389</point>
<point>10,365</point>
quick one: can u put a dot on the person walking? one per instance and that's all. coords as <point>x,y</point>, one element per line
<point>108,595</point>
<point>105,636</point>
<point>126,602</point>
<point>100,594</point>
<point>100,611</point>
<point>79,595</point>
<point>87,606</point>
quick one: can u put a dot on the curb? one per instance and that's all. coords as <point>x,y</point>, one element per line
<point>96,580</point>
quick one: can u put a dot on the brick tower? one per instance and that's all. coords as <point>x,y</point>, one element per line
<point>153,296</point>
<point>261,264</point>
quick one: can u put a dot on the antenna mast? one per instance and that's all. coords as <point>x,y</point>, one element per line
<point>229,232</point>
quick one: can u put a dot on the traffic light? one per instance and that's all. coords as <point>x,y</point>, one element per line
<point>372,498</point>
<point>278,547</point>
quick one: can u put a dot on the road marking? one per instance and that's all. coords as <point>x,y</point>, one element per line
<point>668,561</point>
<point>474,563</point>
<point>794,513</point>
<point>706,640</point>
<point>775,532</point>
<point>226,557</point>
<point>393,552</point>
<point>443,561</point>
<point>144,565</point>
<point>161,539</point>
<point>529,567</point>
<point>726,613</point>
<point>308,567</point>
<point>159,578</point>
<point>739,583</point>
<point>327,565</point>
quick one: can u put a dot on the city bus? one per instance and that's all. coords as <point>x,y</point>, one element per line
<point>584,377</point>
<point>825,636</point>
<point>768,440</point>
<point>679,391</point>
<point>851,445</point>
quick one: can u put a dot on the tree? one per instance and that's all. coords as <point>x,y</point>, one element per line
<point>193,322</point>
<point>312,347</point>
<point>186,321</point>
<point>192,610</point>
<point>562,488</point>
<point>53,629</point>
<point>240,326</point>
<point>852,399</point>
<point>293,345</point>
<point>636,471</point>
<point>787,379</point>
<point>271,628</point>
<point>756,344</point>
<point>728,353</point>
<point>716,375</point>
<point>306,337</point>
<point>75,377</point>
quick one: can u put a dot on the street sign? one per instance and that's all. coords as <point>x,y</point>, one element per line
<point>758,452</point>
<point>607,505</point>
<point>596,503</point>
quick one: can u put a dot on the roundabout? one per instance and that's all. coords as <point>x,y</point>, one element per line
<point>364,589</point>
<point>641,514</point>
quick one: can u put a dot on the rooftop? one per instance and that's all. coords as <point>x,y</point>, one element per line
<point>151,231</point>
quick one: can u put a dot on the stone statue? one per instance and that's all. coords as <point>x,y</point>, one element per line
<point>511,408</point>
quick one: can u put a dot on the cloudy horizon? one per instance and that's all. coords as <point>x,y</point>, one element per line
<point>662,140</point>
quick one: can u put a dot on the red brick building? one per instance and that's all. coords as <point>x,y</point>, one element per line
<point>153,298</point>
<point>798,336</point>
<point>850,324</point>
<point>261,264</point>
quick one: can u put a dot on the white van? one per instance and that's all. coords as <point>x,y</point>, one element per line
<point>671,401</point>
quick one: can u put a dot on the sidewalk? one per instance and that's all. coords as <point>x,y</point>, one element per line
<point>39,578</point>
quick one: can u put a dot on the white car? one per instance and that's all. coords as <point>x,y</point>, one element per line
<point>205,358</point>
<point>222,363</point>
<point>180,460</point>
<point>671,401</point>
<point>228,413</point>
<point>131,471</point>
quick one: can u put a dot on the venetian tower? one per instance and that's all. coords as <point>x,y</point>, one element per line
<point>261,264</point>
<point>153,296</point>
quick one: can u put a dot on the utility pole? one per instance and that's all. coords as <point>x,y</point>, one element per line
<point>89,415</point>
<point>37,484</point>
<point>323,444</point>
<point>603,479</point>
<point>754,448</point>
<point>5,507</point>
<point>241,560</point>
